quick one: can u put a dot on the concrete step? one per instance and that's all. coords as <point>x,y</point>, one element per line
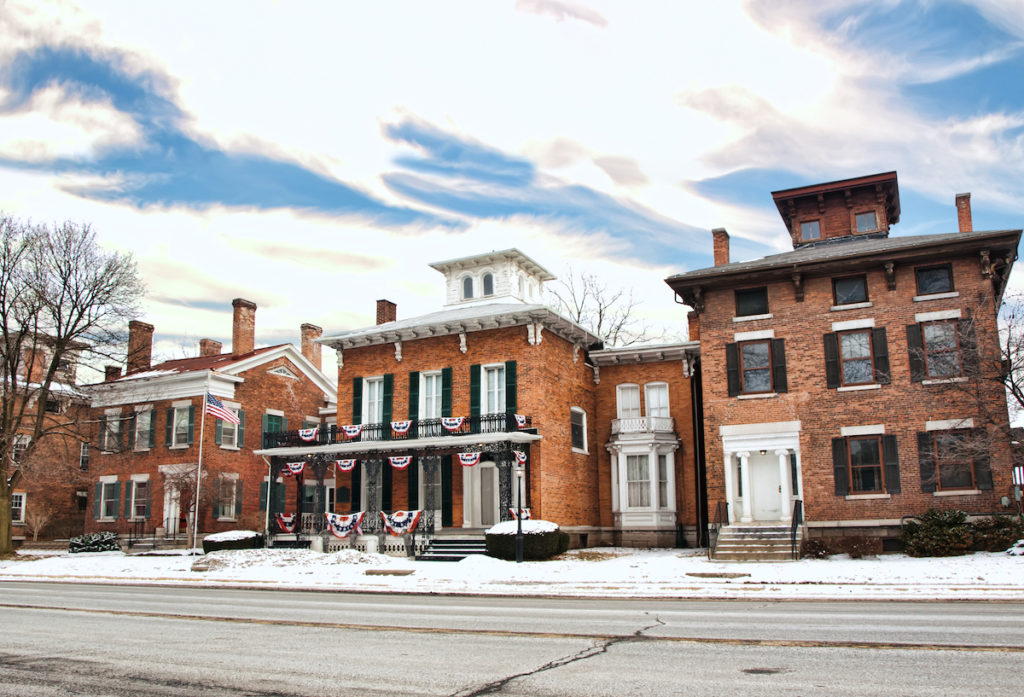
<point>452,549</point>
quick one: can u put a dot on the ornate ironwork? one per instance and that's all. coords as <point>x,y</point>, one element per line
<point>371,521</point>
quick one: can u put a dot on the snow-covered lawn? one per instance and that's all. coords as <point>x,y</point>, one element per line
<point>616,572</point>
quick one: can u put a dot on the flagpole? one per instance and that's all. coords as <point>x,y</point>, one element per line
<point>199,467</point>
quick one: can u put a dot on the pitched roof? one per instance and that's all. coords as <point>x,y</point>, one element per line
<point>178,366</point>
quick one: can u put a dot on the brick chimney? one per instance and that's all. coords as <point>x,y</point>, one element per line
<point>310,349</point>
<point>243,328</point>
<point>387,311</point>
<point>693,325</point>
<point>721,246</point>
<point>111,372</point>
<point>140,346</point>
<point>209,347</point>
<point>963,212</point>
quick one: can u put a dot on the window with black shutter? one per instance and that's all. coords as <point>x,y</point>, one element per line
<point>751,301</point>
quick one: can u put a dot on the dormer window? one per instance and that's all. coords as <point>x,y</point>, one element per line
<point>810,230</point>
<point>488,284</point>
<point>867,222</point>
<point>467,288</point>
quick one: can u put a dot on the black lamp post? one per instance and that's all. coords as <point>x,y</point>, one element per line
<point>519,513</point>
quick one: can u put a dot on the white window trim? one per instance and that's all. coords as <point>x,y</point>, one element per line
<point>274,412</point>
<point>949,424</point>
<point>462,287</point>
<point>135,432</point>
<point>871,430</point>
<point>232,477</point>
<point>494,282</point>
<point>175,406</point>
<point>110,415</point>
<point>181,403</point>
<point>618,401</point>
<point>944,381</point>
<point>135,479</point>
<point>851,306</point>
<point>937,315</point>
<point>936,296</point>
<point>868,323</point>
<point>858,388</point>
<point>104,480</point>
<point>366,417</point>
<point>647,401</point>
<point>421,408</point>
<point>24,501</point>
<point>751,318</point>
<point>483,387</point>
<point>759,395</point>
<point>585,449</point>
<point>754,336</point>
<point>957,492</point>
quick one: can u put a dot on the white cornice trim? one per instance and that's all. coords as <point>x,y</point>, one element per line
<point>644,354</point>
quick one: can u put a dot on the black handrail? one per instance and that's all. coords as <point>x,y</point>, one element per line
<point>720,518</point>
<point>794,527</point>
<point>419,428</point>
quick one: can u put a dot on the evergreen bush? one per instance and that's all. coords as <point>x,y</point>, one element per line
<point>938,534</point>
<point>212,544</point>
<point>995,534</point>
<point>537,546</point>
<point>94,542</point>
<point>815,548</point>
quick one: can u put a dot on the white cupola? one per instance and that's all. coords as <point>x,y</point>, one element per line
<point>508,275</point>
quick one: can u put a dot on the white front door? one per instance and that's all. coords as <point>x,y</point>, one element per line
<point>764,485</point>
<point>480,493</point>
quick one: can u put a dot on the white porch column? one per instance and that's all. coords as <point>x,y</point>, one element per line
<point>730,484</point>
<point>670,472</point>
<point>616,472</point>
<point>652,460</point>
<point>744,457</point>
<point>785,493</point>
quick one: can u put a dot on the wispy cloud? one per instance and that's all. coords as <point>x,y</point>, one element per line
<point>562,10</point>
<point>477,181</point>
<point>165,165</point>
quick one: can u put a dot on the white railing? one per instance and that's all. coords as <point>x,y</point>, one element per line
<point>644,424</point>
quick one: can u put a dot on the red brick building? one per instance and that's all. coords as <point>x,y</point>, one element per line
<point>493,380</point>
<point>150,431</point>
<point>854,373</point>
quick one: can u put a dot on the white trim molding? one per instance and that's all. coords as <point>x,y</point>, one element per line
<point>872,430</point>
<point>948,424</point>
<point>936,316</point>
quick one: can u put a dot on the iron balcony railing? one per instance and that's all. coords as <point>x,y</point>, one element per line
<point>419,428</point>
<point>644,424</point>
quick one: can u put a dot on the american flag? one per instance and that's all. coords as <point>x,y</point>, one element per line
<point>216,407</point>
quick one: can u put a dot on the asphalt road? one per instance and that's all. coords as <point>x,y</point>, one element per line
<point>64,639</point>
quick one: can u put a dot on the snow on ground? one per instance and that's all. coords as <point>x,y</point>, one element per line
<point>658,573</point>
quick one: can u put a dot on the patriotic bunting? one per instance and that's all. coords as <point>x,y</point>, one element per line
<point>286,521</point>
<point>452,423</point>
<point>346,465</point>
<point>520,456</point>
<point>352,431</point>
<point>401,426</point>
<point>400,462</point>
<point>344,525</point>
<point>469,459</point>
<point>308,434</point>
<point>400,522</point>
<point>520,420</point>
<point>525,512</point>
<point>290,469</point>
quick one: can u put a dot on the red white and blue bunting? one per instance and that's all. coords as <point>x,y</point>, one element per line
<point>469,459</point>
<point>287,521</point>
<point>400,522</point>
<point>308,434</point>
<point>352,431</point>
<point>520,420</point>
<point>452,423</point>
<point>290,469</point>
<point>520,456</point>
<point>525,513</point>
<point>344,525</point>
<point>400,426</point>
<point>400,462</point>
<point>346,465</point>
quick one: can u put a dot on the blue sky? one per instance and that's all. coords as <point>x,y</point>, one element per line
<point>317,168</point>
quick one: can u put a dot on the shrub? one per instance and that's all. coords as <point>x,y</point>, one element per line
<point>995,534</point>
<point>94,542</point>
<point>815,548</point>
<point>537,545</point>
<point>938,534</point>
<point>232,540</point>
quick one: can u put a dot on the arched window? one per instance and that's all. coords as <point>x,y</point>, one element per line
<point>467,288</point>
<point>522,287</point>
<point>488,284</point>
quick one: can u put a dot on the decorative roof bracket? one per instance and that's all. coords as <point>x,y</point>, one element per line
<point>798,286</point>
<point>986,264</point>
<point>890,275</point>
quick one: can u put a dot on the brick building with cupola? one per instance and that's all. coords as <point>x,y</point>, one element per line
<point>497,399</point>
<point>151,438</point>
<point>856,376</point>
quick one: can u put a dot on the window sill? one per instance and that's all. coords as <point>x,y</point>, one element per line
<point>859,388</point>
<point>943,381</point>
<point>766,395</point>
<point>581,452</point>
<point>958,492</point>
<point>936,296</point>
<point>850,306</point>
<point>867,497</point>
<point>140,450</point>
<point>751,318</point>
<point>229,447</point>
<point>182,446</point>
<point>18,523</point>
<point>226,520</point>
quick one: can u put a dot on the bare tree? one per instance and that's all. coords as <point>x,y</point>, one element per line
<point>606,313</point>
<point>37,517</point>
<point>62,299</point>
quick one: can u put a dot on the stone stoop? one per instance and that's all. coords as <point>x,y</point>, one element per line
<point>452,548</point>
<point>755,543</point>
